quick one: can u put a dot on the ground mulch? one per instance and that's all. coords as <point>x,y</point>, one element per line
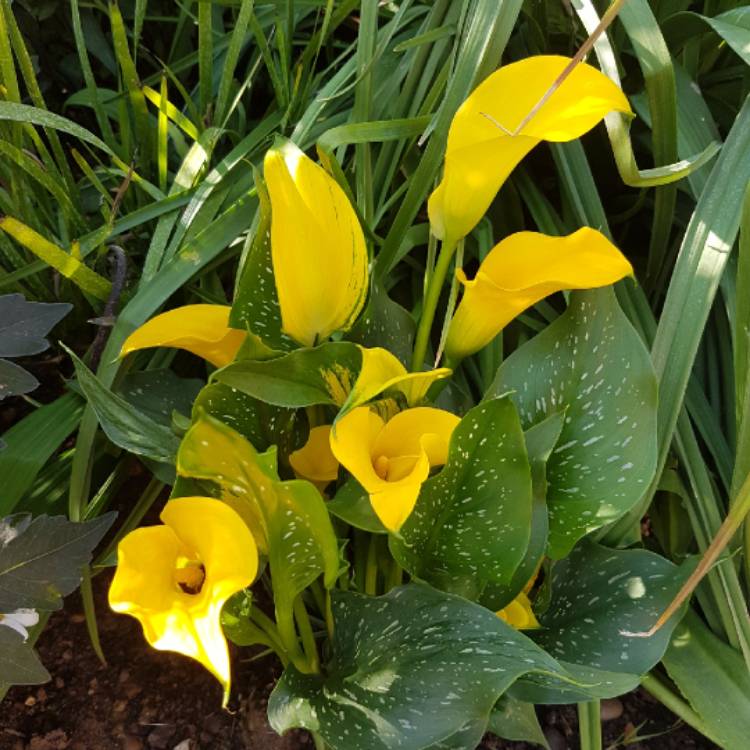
<point>148,700</point>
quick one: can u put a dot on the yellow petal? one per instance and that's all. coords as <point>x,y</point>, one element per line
<point>416,431</point>
<point>392,460</point>
<point>519,613</point>
<point>202,530</point>
<point>523,269</point>
<point>317,246</point>
<point>481,151</point>
<point>381,371</point>
<point>200,329</point>
<point>351,443</point>
<point>315,460</point>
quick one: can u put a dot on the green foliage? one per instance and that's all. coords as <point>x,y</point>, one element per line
<point>472,521</point>
<point>396,659</point>
<point>591,366</point>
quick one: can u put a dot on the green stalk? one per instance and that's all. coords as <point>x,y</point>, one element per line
<point>589,725</point>
<point>371,568</point>
<point>431,299</point>
<point>306,633</point>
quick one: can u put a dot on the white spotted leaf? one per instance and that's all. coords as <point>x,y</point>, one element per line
<point>591,363</point>
<point>472,521</point>
<point>416,668</point>
<point>597,595</point>
<point>305,377</point>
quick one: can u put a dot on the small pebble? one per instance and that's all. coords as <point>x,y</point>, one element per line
<point>185,745</point>
<point>77,618</point>
<point>131,690</point>
<point>119,706</point>
<point>30,701</point>
<point>124,676</point>
<point>611,709</point>
<point>131,743</point>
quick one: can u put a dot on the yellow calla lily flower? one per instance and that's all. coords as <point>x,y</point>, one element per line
<point>175,578</point>
<point>315,461</point>
<point>201,329</point>
<point>483,147</point>
<point>382,371</point>
<point>317,246</point>
<point>519,613</point>
<point>521,270</point>
<point>392,459</point>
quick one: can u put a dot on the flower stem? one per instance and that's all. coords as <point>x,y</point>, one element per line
<point>371,569</point>
<point>431,299</point>
<point>589,725</point>
<point>306,632</point>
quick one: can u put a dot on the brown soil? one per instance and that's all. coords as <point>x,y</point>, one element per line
<point>144,699</point>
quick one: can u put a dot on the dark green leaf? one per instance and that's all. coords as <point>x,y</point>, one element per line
<point>597,595</point>
<point>122,423</point>
<point>14,380</point>
<point>472,521</point>
<point>352,504</point>
<point>591,363</point>
<point>512,719</point>
<point>19,665</point>
<point>260,423</point>
<point>158,393</point>
<point>24,325</point>
<point>304,377</point>
<point>385,323</point>
<point>41,562</point>
<point>410,669</point>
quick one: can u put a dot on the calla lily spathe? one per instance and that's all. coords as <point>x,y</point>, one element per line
<point>523,269</point>
<point>519,613</point>
<point>483,147</point>
<point>201,329</point>
<point>318,248</point>
<point>176,578</point>
<point>392,459</point>
<point>315,461</point>
<point>381,371</point>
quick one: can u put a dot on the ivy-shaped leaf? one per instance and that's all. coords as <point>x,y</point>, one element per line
<point>512,719</point>
<point>19,665</point>
<point>159,393</point>
<point>598,593</point>
<point>413,669</point>
<point>288,519</point>
<point>592,364</point>
<point>24,325</point>
<point>472,520</point>
<point>41,559</point>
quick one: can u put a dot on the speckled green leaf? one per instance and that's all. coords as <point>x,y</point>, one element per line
<point>256,304</point>
<point>408,670</point>
<point>305,377</point>
<point>472,521</point>
<point>385,323</point>
<point>597,593</point>
<point>288,519</point>
<point>158,393</point>
<point>24,325</point>
<point>591,363</point>
<point>262,424</point>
